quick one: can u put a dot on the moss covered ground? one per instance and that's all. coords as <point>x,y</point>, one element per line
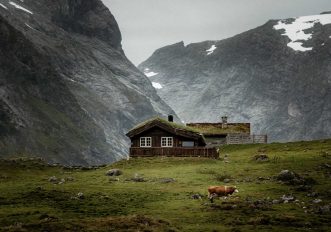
<point>155,194</point>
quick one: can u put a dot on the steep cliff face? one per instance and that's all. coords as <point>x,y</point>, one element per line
<point>276,76</point>
<point>67,91</point>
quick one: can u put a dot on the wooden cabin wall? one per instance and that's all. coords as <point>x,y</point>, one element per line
<point>156,134</point>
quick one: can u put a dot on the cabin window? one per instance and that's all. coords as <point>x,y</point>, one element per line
<point>188,144</point>
<point>167,142</point>
<point>145,141</point>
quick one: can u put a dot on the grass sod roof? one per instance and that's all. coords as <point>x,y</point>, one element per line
<point>177,127</point>
<point>217,129</point>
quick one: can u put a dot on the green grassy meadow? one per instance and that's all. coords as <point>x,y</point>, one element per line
<point>88,200</point>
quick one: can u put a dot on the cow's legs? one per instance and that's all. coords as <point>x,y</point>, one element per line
<point>211,197</point>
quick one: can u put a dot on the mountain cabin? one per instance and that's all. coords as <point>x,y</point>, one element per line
<point>217,134</point>
<point>161,137</point>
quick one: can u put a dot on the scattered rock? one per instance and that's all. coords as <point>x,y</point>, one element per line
<point>138,178</point>
<point>61,181</point>
<point>114,172</point>
<point>45,217</point>
<point>69,178</point>
<point>259,204</point>
<point>261,158</point>
<point>260,178</point>
<point>39,188</point>
<point>316,201</point>
<point>325,154</point>
<point>324,209</point>
<point>167,180</point>
<point>226,180</point>
<point>326,165</point>
<point>312,194</point>
<point>304,188</point>
<point>276,202</point>
<point>196,196</point>
<point>248,180</point>
<point>80,195</point>
<point>53,179</point>
<point>287,198</point>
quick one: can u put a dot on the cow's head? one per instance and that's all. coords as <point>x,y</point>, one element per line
<point>235,189</point>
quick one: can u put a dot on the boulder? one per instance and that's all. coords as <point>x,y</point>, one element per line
<point>261,158</point>
<point>114,172</point>
<point>226,180</point>
<point>290,177</point>
<point>316,201</point>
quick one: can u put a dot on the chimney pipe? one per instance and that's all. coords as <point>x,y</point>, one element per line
<point>224,121</point>
<point>170,118</point>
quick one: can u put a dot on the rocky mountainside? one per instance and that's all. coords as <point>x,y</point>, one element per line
<point>67,91</point>
<point>277,76</point>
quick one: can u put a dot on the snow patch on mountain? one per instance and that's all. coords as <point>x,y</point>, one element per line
<point>20,7</point>
<point>211,49</point>
<point>149,73</point>
<point>295,30</point>
<point>3,6</point>
<point>29,26</point>
<point>157,85</point>
<point>293,110</point>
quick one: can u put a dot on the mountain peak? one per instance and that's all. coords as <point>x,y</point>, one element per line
<point>261,76</point>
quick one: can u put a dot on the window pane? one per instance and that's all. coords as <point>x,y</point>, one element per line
<point>142,142</point>
<point>163,142</point>
<point>166,142</point>
<point>188,144</point>
<point>145,142</point>
<point>170,142</point>
<point>148,142</point>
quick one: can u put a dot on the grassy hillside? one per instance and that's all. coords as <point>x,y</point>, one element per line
<point>156,194</point>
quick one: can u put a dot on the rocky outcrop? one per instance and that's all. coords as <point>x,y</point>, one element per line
<point>276,79</point>
<point>68,94</point>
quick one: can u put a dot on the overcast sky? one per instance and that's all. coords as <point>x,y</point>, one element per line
<point>147,25</point>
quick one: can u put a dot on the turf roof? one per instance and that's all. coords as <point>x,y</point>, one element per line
<point>171,124</point>
<point>216,128</point>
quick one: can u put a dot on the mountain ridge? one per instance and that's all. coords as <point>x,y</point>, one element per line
<point>68,93</point>
<point>252,77</point>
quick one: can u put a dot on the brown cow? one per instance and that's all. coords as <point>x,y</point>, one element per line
<point>214,191</point>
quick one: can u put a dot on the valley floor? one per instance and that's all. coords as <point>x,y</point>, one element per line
<point>157,194</point>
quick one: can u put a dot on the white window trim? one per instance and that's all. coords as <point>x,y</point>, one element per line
<point>167,141</point>
<point>145,141</point>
